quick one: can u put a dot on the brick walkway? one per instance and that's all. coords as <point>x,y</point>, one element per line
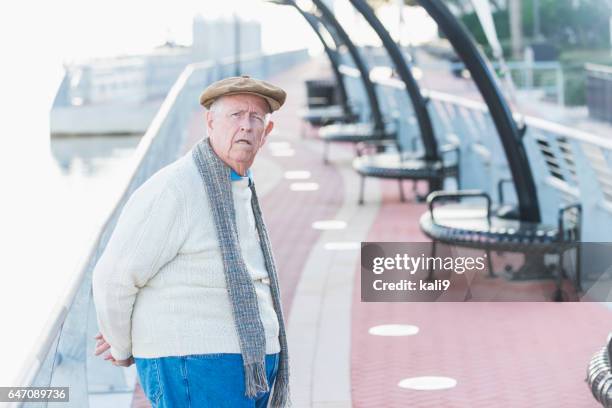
<point>506,354</point>
<point>501,354</point>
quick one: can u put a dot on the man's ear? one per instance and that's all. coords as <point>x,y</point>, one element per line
<point>209,121</point>
<point>267,131</point>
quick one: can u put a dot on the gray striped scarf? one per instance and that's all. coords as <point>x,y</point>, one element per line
<point>216,177</point>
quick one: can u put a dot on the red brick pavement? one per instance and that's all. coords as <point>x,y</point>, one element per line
<point>502,354</point>
<point>506,354</point>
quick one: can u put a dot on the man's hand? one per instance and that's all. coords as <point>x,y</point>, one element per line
<point>102,346</point>
<point>122,363</point>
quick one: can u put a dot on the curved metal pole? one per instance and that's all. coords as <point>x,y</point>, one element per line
<point>328,16</point>
<point>313,22</point>
<point>419,104</point>
<point>509,134</point>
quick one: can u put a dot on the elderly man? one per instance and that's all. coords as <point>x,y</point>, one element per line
<point>187,287</point>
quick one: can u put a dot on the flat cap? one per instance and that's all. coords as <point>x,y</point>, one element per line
<point>274,95</point>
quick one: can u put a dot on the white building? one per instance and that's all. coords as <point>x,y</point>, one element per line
<point>216,39</point>
<point>122,94</point>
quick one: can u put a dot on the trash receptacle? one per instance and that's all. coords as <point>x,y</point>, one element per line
<point>321,92</point>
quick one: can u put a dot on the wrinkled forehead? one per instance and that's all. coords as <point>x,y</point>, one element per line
<point>247,102</point>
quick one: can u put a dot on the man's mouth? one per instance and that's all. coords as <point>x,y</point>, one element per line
<point>243,141</point>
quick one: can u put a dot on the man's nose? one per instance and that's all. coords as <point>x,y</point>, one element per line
<point>245,123</point>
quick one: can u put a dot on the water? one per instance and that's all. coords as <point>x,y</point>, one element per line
<point>92,158</point>
<point>49,225</point>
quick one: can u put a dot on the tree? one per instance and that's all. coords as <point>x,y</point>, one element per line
<point>571,23</point>
<point>564,23</point>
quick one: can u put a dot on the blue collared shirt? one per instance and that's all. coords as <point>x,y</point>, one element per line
<point>237,177</point>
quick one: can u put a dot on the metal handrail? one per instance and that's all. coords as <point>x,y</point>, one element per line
<point>604,69</point>
<point>58,315</point>
<point>531,121</point>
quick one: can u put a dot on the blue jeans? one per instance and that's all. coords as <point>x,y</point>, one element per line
<point>201,380</point>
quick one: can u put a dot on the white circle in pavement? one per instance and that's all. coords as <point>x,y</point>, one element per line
<point>283,152</point>
<point>279,145</point>
<point>329,225</point>
<point>297,175</point>
<point>342,246</point>
<point>394,330</point>
<point>428,383</point>
<point>304,186</point>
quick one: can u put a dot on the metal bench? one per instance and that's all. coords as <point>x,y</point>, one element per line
<point>476,226</point>
<point>373,128</point>
<point>518,229</point>
<point>326,115</point>
<point>327,99</point>
<point>428,164</point>
<point>406,165</point>
<point>354,133</point>
<point>599,374</point>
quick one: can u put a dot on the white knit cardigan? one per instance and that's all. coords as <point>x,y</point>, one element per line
<point>159,287</point>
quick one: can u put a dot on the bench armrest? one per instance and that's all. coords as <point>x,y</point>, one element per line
<point>500,189</point>
<point>450,148</point>
<point>457,195</point>
<point>379,145</point>
<point>565,210</point>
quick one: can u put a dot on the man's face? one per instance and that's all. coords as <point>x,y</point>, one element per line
<point>237,128</point>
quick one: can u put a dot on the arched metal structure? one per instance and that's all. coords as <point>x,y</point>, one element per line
<point>314,22</point>
<point>335,27</point>
<point>419,103</point>
<point>510,135</point>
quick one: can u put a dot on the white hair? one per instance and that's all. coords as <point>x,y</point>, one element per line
<point>216,105</point>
